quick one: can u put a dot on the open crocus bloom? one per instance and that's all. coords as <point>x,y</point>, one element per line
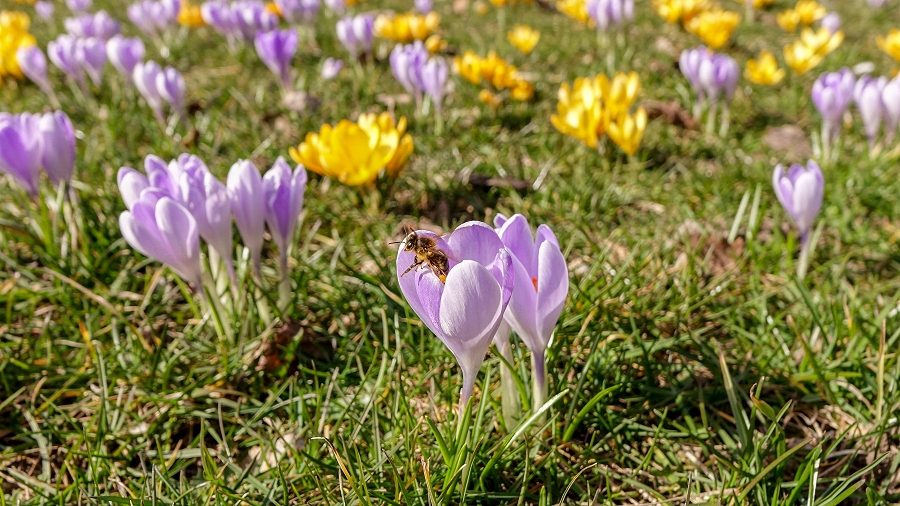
<point>465,311</point>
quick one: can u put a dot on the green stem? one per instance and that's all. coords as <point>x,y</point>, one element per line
<point>539,378</point>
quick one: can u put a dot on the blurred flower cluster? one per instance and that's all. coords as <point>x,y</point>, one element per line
<point>714,27</point>
<point>495,71</point>
<point>406,27</point>
<point>811,48</point>
<point>31,142</point>
<point>764,69</point>
<point>356,153</point>
<point>805,13</point>
<point>13,36</point>
<point>596,106</point>
<point>523,38</point>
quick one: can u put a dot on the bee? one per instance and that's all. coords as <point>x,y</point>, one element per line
<point>427,254</point>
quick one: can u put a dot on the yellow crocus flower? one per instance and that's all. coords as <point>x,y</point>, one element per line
<point>13,36</point>
<point>468,66</point>
<point>809,11</point>
<point>580,111</point>
<point>674,11</point>
<point>489,98</point>
<point>495,71</point>
<point>408,27</point>
<point>189,15</point>
<point>523,38</point>
<point>627,130</point>
<point>890,43</point>
<point>575,9</point>
<point>620,93</point>
<point>355,153</point>
<point>756,4</point>
<point>811,48</point>
<point>788,20</point>
<point>714,27</point>
<point>764,70</point>
<point>435,44</point>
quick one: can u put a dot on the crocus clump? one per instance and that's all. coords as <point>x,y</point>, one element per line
<point>154,17</point>
<point>240,19</point>
<point>712,76</point>
<point>100,25</point>
<point>419,73</point>
<point>29,142</point>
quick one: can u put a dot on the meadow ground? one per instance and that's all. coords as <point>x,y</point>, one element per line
<point>690,364</point>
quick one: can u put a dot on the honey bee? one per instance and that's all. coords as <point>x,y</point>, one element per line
<point>427,253</point>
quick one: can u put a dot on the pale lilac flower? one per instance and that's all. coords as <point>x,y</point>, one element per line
<point>831,94</point>
<point>58,156</point>
<point>170,86</point>
<point>424,6</point>
<point>466,309</point>
<point>141,14</point>
<point>64,55</point>
<point>406,64</point>
<point>44,9</point>
<point>434,80</point>
<point>159,227</point>
<point>717,75</point>
<point>145,78</point>
<point>21,148</point>
<point>831,22</point>
<point>99,25</point>
<point>284,202</point>
<point>124,54</point>
<point>91,53</point>
<point>800,192</point>
<point>298,11</point>
<point>356,33</point>
<point>867,96</point>
<point>689,64</point>
<point>250,17</point>
<point>330,68</point>
<point>79,6</point>
<point>33,64</point>
<point>607,13</point>
<point>890,101</point>
<point>248,204</point>
<point>276,49</point>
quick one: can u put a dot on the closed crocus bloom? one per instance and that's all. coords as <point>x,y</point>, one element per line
<point>809,11</point>
<point>800,192</point>
<point>540,290</point>
<point>145,77</point>
<point>890,43</point>
<point>434,79</point>
<point>124,54</point>
<point>714,27</point>
<point>831,94</point>
<point>627,130</point>
<point>406,64</point>
<point>284,202</point>
<point>248,204</point>
<point>464,310</point>
<point>330,68</point>
<point>890,101</point>
<point>718,74</point>
<point>364,31</point>
<point>276,49</point>
<point>620,92</point>
<point>170,86</point>
<point>831,22</point>
<point>159,227</point>
<point>91,52</point>
<point>346,36</point>
<point>764,70</point>
<point>139,14</point>
<point>64,55</point>
<point>58,155</point>
<point>79,5</point>
<point>44,9</point>
<point>33,64</point>
<point>867,95</point>
<point>523,38</point>
<point>21,148</point>
<point>689,64</point>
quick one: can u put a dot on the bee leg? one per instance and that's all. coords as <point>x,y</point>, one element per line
<point>415,265</point>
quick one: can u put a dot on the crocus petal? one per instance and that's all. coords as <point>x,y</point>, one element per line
<point>131,184</point>
<point>552,288</point>
<point>516,235</point>
<point>179,229</point>
<point>474,241</point>
<point>470,311</point>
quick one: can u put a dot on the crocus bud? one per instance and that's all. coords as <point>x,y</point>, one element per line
<point>424,6</point>
<point>831,94</point>
<point>33,64</point>
<point>145,77</point>
<point>276,49</point>
<point>58,156</point>
<point>890,101</point>
<point>284,202</point>
<point>44,9</point>
<point>330,68</point>
<point>800,192</point>
<point>867,96</point>
<point>248,203</point>
<point>124,54</point>
<point>21,147</point>
<point>465,308</point>
<point>170,86</point>
<point>434,79</point>
<point>159,227</point>
<point>91,53</point>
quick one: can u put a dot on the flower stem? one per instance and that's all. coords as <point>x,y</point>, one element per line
<point>539,377</point>
<point>508,390</point>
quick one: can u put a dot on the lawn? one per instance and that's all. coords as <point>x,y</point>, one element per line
<point>690,365</point>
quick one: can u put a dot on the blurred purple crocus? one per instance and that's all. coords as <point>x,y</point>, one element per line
<point>171,87</point>
<point>99,24</point>
<point>542,286</point>
<point>298,11</point>
<point>465,310</point>
<point>276,49</point>
<point>424,6</point>
<point>58,139</point>
<point>718,74</point>
<point>608,13</point>
<point>831,22</point>
<point>831,94</point>
<point>248,203</point>
<point>124,53</point>
<point>33,64</point>
<point>434,80</point>
<point>356,33</point>
<point>141,14</point>
<point>79,6</point>
<point>63,53</point>
<point>21,148</point>
<point>251,16</point>
<point>145,77</point>
<point>406,64</point>
<point>800,192</point>
<point>159,227</point>
<point>330,68</point>
<point>890,100</point>
<point>284,202</point>
<point>867,96</point>
<point>91,53</point>
<point>44,9</point>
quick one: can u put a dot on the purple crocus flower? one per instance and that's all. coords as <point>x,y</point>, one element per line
<point>248,203</point>
<point>689,64</point>
<point>406,64</point>
<point>79,6</point>
<point>58,156</point>
<point>159,227</point>
<point>21,147</point>
<point>424,6</point>
<point>542,285</point>
<point>330,68</point>
<point>339,7</point>
<point>831,94</point>
<point>434,79</point>
<point>800,192</point>
<point>867,96</point>
<point>141,14</point>
<point>718,74</point>
<point>91,53</point>
<point>298,11</point>
<point>607,13</point>
<point>124,54</point>
<point>831,22</point>
<point>356,33</point>
<point>251,16</point>
<point>890,101</point>
<point>33,64</point>
<point>170,85</point>
<point>145,77</point>
<point>44,9</point>
<point>276,49</point>
<point>465,310</point>
<point>99,25</point>
<point>284,202</point>
<point>64,55</point>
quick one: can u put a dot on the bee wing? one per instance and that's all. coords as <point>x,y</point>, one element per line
<point>447,251</point>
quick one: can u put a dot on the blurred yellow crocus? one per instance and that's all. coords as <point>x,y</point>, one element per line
<point>756,4</point>
<point>408,27</point>
<point>675,11</point>
<point>189,15</point>
<point>890,43</point>
<point>714,27</point>
<point>627,130</point>
<point>435,44</point>
<point>764,70</point>
<point>812,47</point>
<point>496,71</point>
<point>788,20</point>
<point>575,9</point>
<point>619,93</point>
<point>13,35</point>
<point>809,11</point>
<point>523,38</point>
<point>355,153</point>
<point>468,66</point>
<point>489,98</point>
<point>580,111</point>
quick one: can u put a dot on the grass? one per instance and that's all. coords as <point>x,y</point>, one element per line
<point>690,364</point>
